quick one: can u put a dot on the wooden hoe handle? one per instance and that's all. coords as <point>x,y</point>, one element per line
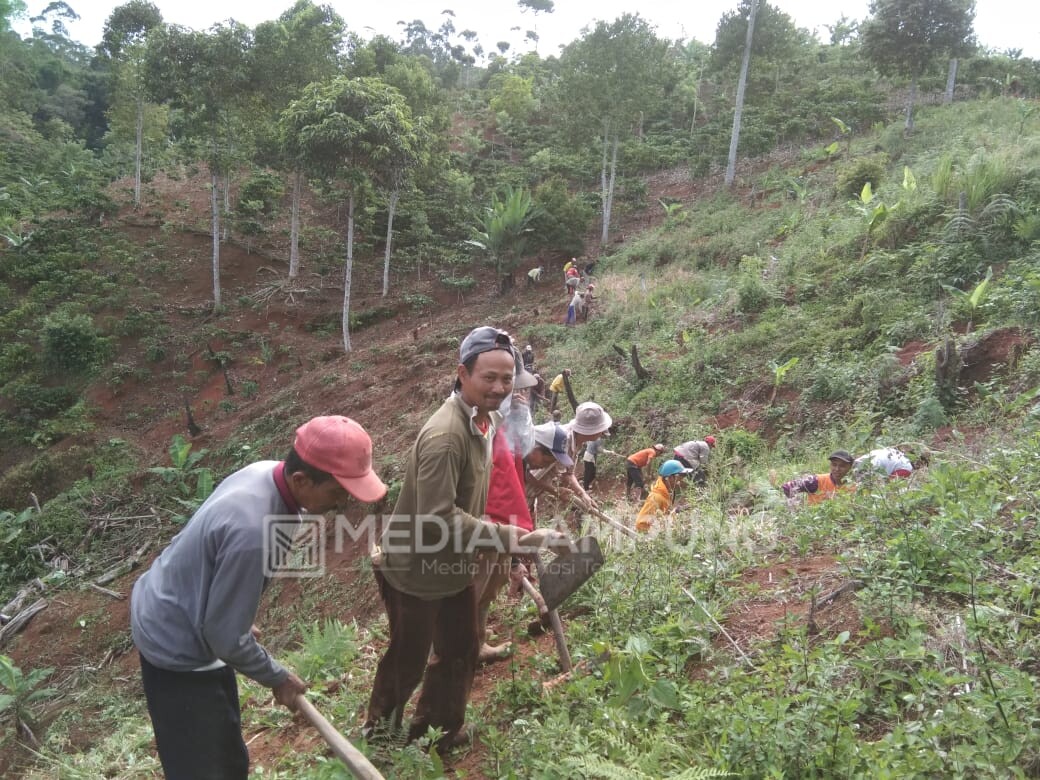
<point>354,759</point>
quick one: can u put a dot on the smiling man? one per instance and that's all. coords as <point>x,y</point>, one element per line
<point>192,612</point>
<point>427,561</point>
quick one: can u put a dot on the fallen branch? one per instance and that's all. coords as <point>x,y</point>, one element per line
<point>123,567</point>
<point>18,621</point>
<point>14,606</point>
<point>114,594</point>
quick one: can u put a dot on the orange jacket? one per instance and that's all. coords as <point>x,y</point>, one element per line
<point>641,458</point>
<point>659,502</point>
<point>826,490</point>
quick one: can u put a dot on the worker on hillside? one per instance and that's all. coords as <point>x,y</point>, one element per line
<point>820,487</point>
<point>575,309</point>
<point>571,278</point>
<point>588,461</point>
<point>590,423</point>
<point>885,461</point>
<point>662,494</point>
<point>587,303</point>
<point>695,455</point>
<point>635,463</point>
<point>556,387</point>
<point>527,356</point>
<point>192,613</point>
<point>426,562</point>
<point>534,276</point>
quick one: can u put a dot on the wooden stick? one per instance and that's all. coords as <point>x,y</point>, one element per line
<point>554,621</point>
<point>353,758</point>
<point>18,621</point>
<point>630,532</point>
<point>114,594</point>
<point>725,633</point>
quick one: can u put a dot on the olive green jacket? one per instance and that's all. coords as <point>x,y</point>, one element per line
<point>430,542</point>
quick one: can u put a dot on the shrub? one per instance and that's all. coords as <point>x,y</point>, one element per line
<point>70,341</point>
<point>852,178</point>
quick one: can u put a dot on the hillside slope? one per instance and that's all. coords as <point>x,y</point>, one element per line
<point>787,317</point>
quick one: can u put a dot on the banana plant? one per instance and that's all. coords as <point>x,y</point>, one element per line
<point>779,372</point>
<point>974,298</point>
<point>18,693</point>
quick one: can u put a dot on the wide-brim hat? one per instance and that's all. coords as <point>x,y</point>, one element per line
<point>590,419</point>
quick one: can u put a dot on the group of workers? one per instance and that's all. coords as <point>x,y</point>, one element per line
<point>463,526</point>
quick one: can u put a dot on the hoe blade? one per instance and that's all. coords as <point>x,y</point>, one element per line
<point>561,577</point>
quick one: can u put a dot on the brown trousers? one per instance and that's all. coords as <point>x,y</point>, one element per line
<point>447,624</point>
<point>491,578</point>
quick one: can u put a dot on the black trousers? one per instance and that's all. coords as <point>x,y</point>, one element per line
<point>589,476</point>
<point>634,477</point>
<point>197,723</point>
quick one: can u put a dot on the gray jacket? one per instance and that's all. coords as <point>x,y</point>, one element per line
<point>197,602</point>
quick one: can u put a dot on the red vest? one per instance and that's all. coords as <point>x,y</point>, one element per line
<point>506,500</point>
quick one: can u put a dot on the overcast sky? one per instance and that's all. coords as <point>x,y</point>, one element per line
<point>999,24</point>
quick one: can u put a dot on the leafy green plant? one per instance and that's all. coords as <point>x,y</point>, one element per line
<point>779,372</point>
<point>20,692</point>
<point>974,298</point>
<point>192,482</point>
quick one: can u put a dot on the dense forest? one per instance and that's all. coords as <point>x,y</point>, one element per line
<point>209,236</point>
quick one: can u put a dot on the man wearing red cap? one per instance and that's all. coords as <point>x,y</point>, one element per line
<point>695,455</point>
<point>192,612</point>
<point>426,563</point>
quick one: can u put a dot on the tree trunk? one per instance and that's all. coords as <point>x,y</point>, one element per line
<point>391,209</point>
<point>348,274</point>
<point>731,164</point>
<point>603,184</point>
<point>138,143</point>
<point>911,99</point>
<point>608,184</point>
<point>294,225</point>
<point>227,206</point>
<point>951,82</point>
<point>215,204</point>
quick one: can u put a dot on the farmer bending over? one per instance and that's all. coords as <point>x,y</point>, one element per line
<point>192,612</point>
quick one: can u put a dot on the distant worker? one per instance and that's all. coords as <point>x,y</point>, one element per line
<point>534,276</point>
<point>695,455</point>
<point>662,494</point>
<point>820,487</point>
<point>575,309</point>
<point>887,461</point>
<point>571,278</point>
<point>588,462</point>
<point>635,463</point>
<point>528,358</point>
<point>587,303</point>
<point>556,387</point>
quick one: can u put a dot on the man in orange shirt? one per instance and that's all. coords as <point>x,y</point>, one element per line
<point>820,487</point>
<point>635,463</point>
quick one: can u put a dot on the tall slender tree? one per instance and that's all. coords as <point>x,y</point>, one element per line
<point>345,131</point>
<point>607,79</point>
<point>908,37</point>
<point>304,45</point>
<point>207,76</point>
<point>123,44</point>
<point>738,110</point>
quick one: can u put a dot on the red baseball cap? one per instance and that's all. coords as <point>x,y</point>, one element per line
<point>709,440</point>
<point>341,447</point>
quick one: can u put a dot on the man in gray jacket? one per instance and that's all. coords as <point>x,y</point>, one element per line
<point>192,612</point>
